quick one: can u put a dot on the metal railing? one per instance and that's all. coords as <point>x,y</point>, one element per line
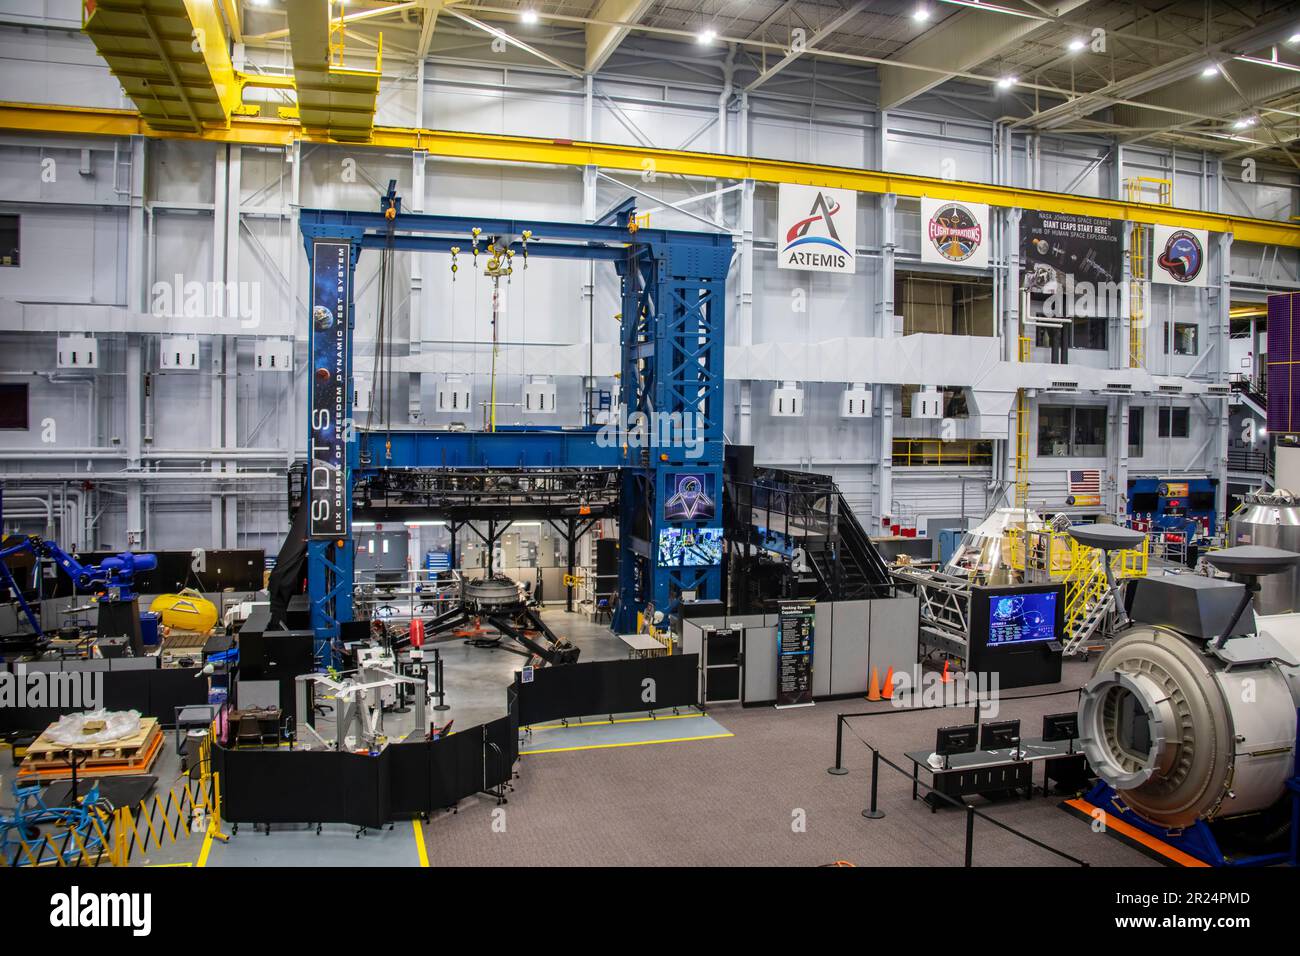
<point>418,592</point>
<point>873,811</point>
<point>920,452</point>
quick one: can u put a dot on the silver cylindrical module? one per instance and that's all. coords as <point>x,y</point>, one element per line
<point>1271,519</point>
<point>1181,735</point>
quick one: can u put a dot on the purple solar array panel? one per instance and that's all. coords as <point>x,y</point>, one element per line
<point>1283,402</point>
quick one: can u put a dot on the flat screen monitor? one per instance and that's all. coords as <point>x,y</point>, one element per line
<point>690,496</point>
<point>690,547</point>
<point>999,735</point>
<point>1023,618</point>
<point>959,739</point>
<point>670,548</point>
<point>1061,726</point>
<point>701,547</point>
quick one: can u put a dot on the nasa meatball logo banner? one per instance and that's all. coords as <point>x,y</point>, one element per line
<point>1179,256</point>
<point>817,229</point>
<point>329,393</point>
<point>954,233</point>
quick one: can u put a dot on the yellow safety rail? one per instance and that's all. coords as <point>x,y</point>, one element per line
<point>114,837</point>
<point>918,452</point>
<point>1137,296</point>
<point>1139,189</point>
<point>1022,432</point>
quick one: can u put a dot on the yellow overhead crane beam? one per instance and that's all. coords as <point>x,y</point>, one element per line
<point>265,131</point>
<point>170,57</point>
<point>334,101</point>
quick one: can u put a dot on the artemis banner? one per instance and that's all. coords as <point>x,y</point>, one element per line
<point>817,229</point>
<point>954,233</point>
<point>1178,256</point>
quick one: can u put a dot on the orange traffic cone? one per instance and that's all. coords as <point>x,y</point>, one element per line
<point>887,691</point>
<point>873,692</point>
<point>945,677</point>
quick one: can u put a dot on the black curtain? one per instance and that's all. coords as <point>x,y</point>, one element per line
<point>290,573</point>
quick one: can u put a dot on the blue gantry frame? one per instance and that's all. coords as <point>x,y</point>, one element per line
<point>673,286</point>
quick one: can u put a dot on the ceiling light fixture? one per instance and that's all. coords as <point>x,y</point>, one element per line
<point>706,37</point>
<point>1006,82</point>
<point>1244,123</point>
<point>529,16</point>
<point>921,14</point>
<point>1076,45</point>
<point>1210,70</point>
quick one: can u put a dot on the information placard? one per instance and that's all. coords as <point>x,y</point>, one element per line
<point>794,653</point>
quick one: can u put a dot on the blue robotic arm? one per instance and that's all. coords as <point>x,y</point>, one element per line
<point>114,573</point>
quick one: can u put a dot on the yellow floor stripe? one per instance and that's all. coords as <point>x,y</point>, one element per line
<point>607,721</point>
<point>630,743</point>
<point>419,843</point>
<point>207,848</point>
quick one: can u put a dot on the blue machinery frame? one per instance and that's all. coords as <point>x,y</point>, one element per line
<point>673,286</point>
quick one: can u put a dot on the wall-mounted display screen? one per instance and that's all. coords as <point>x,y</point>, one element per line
<point>690,496</point>
<point>690,547</point>
<point>1022,618</point>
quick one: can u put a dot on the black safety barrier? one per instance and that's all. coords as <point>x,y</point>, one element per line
<point>402,781</point>
<point>873,811</point>
<point>154,692</point>
<point>608,687</point>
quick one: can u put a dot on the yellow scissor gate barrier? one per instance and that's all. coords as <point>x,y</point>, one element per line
<point>1049,555</point>
<point>114,837</point>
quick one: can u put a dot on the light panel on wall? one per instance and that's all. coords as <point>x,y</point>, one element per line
<point>539,396</point>
<point>452,397</point>
<point>179,353</point>
<point>855,402</point>
<point>787,401</point>
<point>273,355</point>
<point>927,403</point>
<point>77,351</point>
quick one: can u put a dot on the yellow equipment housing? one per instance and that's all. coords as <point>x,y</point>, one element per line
<point>187,611</point>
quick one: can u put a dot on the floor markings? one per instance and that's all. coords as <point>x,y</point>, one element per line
<point>419,842</point>
<point>628,743</point>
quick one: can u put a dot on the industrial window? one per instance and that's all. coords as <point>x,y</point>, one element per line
<point>1175,423</point>
<point>1186,338</point>
<point>944,306</point>
<point>1079,333</point>
<point>13,407</point>
<point>1068,432</point>
<point>1135,422</point>
<point>8,240</point>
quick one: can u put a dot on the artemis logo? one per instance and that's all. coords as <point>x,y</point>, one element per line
<point>75,909</point>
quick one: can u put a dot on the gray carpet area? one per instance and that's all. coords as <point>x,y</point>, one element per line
<point>734,801</point>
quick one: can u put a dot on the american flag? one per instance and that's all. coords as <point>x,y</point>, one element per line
<point>1085,482</point>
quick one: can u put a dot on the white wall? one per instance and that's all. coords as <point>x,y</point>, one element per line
<point>76,259</point>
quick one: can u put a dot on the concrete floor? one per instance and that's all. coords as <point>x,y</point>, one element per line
<point>692,791</point>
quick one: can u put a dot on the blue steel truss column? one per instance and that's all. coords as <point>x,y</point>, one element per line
<point>674,317</point>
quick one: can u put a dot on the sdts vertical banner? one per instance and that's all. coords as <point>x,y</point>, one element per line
<point>329,385</point>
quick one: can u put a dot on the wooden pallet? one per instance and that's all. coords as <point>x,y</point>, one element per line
<point>47,760</point>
